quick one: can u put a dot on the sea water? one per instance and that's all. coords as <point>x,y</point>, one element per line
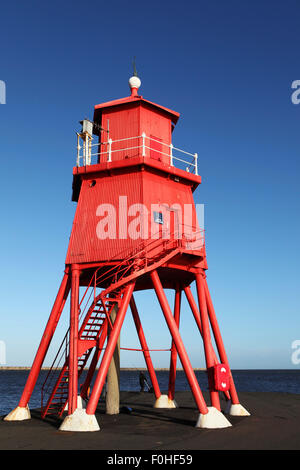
<point>288,381</point>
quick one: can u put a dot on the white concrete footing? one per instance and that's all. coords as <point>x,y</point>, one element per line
<point>214,419</point>
<point>80,404</point>
<point>236,410</point>
<point>18,414</point>
<point>165,402</point>
<point>79,421</point>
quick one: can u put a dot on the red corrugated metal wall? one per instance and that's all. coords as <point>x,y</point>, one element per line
<point>94,204</point>
<point>108,222</point>
<point>132,120</point>
<point>169,196</point>
<point>155,124</point>
<point>122,123</point>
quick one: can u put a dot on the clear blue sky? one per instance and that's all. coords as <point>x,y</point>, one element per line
<point>227,67</point>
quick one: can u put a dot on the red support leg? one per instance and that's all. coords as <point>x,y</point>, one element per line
<point>73,341</point>
<point>173,361</point>
<point>179,344</point>
<point>196,314</point>
<point>113,338</point>
<point>194,308</point>
<point>209,357</point>
<point>219,342</point>
<point>57,308</point>
<point>144,347</point>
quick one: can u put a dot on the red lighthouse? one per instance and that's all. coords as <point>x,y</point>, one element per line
<point>135,228</point>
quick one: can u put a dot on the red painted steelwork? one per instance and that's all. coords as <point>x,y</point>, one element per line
<point>73,344</point>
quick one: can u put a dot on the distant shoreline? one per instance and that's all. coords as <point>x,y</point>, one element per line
<point>157,369</point>
<point>122,368</point>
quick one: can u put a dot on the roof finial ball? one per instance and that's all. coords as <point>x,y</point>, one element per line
<point>134,81</point>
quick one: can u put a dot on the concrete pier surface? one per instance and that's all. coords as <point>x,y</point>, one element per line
<point>274,424</point>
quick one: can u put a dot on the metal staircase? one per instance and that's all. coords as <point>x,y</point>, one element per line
<point>89,333</point>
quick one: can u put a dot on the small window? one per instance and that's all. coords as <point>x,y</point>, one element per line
<point>158,217</point>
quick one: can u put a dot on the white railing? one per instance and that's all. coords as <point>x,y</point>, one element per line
<point>89,153</point>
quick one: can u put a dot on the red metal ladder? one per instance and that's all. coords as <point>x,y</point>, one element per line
<point>90,332</point>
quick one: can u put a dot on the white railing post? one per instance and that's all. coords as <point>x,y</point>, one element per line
<point>143,144</point>
<point>109,150</point>
<point>83,152</point>
<point>196,163</point>
<point>78,150</point>
<point>87,149</point>
<point>171,154</point>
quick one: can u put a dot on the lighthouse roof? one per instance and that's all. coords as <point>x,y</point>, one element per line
<point>135,99</point>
